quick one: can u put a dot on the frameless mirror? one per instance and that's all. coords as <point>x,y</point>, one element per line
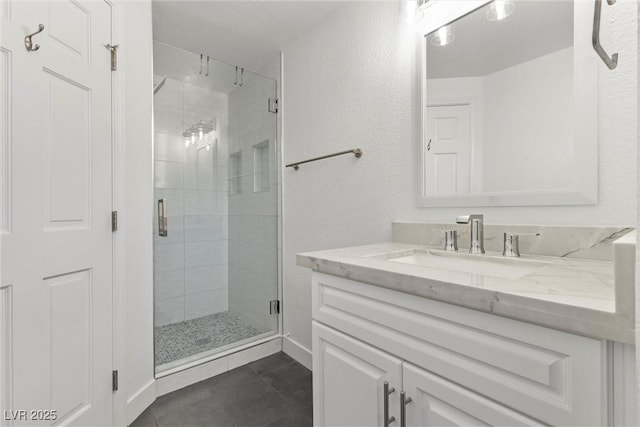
<point>509,105</point>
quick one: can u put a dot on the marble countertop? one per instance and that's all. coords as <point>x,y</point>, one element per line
<point>586,297</point>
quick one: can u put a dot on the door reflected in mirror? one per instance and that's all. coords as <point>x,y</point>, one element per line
<point>508,90</point>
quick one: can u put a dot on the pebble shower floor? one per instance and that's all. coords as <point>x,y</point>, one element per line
<point>183,339</point>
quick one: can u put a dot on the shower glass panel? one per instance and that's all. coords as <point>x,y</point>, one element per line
<point>216,223</point>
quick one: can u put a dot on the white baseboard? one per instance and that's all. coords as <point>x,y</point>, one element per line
<point>140,400</point>
<point>298,352</point>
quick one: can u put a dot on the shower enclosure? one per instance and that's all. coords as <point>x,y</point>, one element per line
<point>216,228</point>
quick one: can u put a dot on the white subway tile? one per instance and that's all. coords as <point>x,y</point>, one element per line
<point>168,147</point>
<point>168,311</point>
<point>168,175</point>
<point>168,284</point>
<point>206,303</point>
<point>168,257</point>
<point>203,279</point>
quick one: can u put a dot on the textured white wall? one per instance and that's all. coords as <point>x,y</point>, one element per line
<point>351,82</point>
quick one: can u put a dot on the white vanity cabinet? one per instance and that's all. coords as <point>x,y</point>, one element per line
<point>457,366</point>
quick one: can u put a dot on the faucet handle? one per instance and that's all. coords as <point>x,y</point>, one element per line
<point>450,240</point>
<point>511,247</point>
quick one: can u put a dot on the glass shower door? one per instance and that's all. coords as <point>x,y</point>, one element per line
<point>216,269</point>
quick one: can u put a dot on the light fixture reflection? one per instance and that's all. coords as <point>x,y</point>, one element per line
<point>410,12</point>
<point>500,9</point>
<point>443,36</point>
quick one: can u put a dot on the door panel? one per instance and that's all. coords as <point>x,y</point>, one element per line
<point>57,240</point>
<point>348,380</point>
<point>448,150</point>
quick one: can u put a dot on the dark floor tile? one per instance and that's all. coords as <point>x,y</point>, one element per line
<point>299,397</point>
<point>239,385</point>
<point>290,375</point>
<point>205,413</point>
<point>146,419</point>
<point>270,363</point>
<point>258,411</point>
<point>184,397</point>
<point>292,419</point>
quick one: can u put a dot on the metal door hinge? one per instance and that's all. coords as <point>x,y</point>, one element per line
<point>114,380</point>
<point>273,105</point>
<point>274,306</point>
<point>114,55</point>
<point>114,221</point>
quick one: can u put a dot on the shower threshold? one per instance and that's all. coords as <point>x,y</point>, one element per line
<point>182,343</point>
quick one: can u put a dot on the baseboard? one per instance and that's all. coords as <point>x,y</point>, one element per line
<point>298,352</point>
<point>140,401</point>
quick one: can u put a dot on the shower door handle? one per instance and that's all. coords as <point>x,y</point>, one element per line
<point>162,218</point>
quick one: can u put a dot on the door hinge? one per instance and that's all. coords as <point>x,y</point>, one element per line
<point>114,221</point>
<point>274,306</point>
<point>273,105</point>
<point>114,380</point>
<point>113,49</point>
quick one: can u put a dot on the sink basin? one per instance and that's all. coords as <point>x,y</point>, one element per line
<point>482,265</point>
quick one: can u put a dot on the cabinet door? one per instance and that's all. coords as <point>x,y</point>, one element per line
<point>438,402</point>
<point>348,381</point>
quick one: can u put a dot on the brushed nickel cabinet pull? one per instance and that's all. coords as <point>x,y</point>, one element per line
<point>387,391</point>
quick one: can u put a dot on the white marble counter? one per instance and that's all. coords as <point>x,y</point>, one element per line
<point>588,297</point>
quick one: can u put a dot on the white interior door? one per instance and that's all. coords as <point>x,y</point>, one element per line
<point>447,150</point>
<point>56,205</point>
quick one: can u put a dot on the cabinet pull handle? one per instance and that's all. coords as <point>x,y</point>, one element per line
<point>162,218</point>
<point>404,401</point>
<point>387,391</point>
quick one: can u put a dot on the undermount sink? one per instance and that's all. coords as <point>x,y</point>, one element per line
<point>483,265</point>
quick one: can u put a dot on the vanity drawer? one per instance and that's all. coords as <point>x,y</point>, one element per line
<point>556,376</point>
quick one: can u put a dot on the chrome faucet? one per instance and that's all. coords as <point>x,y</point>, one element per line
<point>476,235</point>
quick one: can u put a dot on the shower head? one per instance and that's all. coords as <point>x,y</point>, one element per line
<point>157,87</point>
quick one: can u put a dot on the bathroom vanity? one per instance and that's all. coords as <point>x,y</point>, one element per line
<point>408,334</point>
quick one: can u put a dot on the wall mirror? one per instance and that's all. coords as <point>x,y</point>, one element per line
<point>509,104</point>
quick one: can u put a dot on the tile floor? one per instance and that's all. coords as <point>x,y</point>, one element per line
<point>270,392</point>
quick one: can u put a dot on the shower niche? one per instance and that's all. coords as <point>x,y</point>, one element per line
<point>215,188</point>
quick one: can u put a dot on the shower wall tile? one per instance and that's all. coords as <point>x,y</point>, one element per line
<point>168,257</point>
<point>169,284</point>
<point>202,254</point>
<point>175,201</point>
<point>206,303</point>
<point>171,94</point>
<point>199,202</point>
<point>205,178</point>
<point>175,230</point>
<point>168,147</point>
<point>203,279</point>
<point>168,175</point>
<point>168,120</point>
<point>191,264</point>
<point>205,227</point>
<point>169,310</point>
<point>190,176</point>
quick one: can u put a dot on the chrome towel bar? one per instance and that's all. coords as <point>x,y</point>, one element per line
<point>356,151</point>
